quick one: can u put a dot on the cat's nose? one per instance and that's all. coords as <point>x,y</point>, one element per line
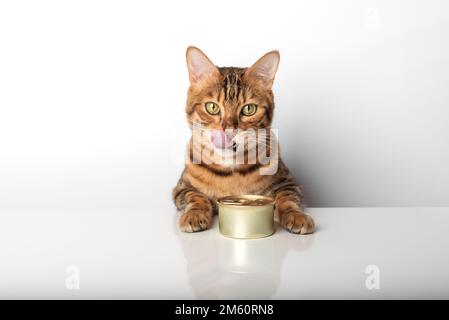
<point>221,139</point>
<point>230,133</point>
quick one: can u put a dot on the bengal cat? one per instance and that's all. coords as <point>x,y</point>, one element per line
<point>241,99</point>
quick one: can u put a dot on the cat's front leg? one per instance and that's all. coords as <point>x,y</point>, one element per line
<point>288,204</point>
<point>196,208</point>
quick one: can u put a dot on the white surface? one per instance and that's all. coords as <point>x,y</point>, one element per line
<point>130,254</point>
<point>85,87</point>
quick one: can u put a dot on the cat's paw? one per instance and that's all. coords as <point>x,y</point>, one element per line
<point>193,221</point>
<point>297,222</point>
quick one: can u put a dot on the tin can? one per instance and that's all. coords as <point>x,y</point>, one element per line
<point>246,216</point>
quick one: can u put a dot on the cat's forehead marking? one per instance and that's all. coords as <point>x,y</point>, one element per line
<point>232,83</point>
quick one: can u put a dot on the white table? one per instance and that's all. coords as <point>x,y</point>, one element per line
<point>133,254</point>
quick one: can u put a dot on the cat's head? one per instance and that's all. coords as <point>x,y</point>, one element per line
<point>224,99</point>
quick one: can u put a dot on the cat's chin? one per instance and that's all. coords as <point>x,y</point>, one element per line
<point>225,157</point>
<point>228,158</point>
<point>227,152</point>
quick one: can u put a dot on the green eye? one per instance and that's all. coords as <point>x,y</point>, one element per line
<point>212,108</point>
<point>249,109</point>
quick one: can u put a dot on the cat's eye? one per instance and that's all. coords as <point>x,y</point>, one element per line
<point>249,109</point>
<point>212,108</point>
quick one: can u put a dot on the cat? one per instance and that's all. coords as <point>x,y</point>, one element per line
<point>223,98</point>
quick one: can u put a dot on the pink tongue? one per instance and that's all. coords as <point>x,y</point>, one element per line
<point>220,140</point>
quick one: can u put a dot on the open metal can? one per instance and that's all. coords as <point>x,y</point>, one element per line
<point>246,216</point>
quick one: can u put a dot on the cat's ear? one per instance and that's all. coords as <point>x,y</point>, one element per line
<point>199,65</point>
<point>264,70</point>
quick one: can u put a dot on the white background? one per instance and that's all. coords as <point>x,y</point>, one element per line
<point>92,97</point>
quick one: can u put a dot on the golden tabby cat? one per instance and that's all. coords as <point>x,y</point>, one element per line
<point>240,99</point>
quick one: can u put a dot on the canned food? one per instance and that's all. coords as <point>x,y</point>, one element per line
<point>246,216</point>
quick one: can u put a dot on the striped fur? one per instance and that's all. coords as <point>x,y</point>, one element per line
<point>201,184</point>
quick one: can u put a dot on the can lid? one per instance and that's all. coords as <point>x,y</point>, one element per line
<point>246,200</point>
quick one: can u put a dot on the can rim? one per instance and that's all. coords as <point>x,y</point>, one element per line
<point>243,196</point>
